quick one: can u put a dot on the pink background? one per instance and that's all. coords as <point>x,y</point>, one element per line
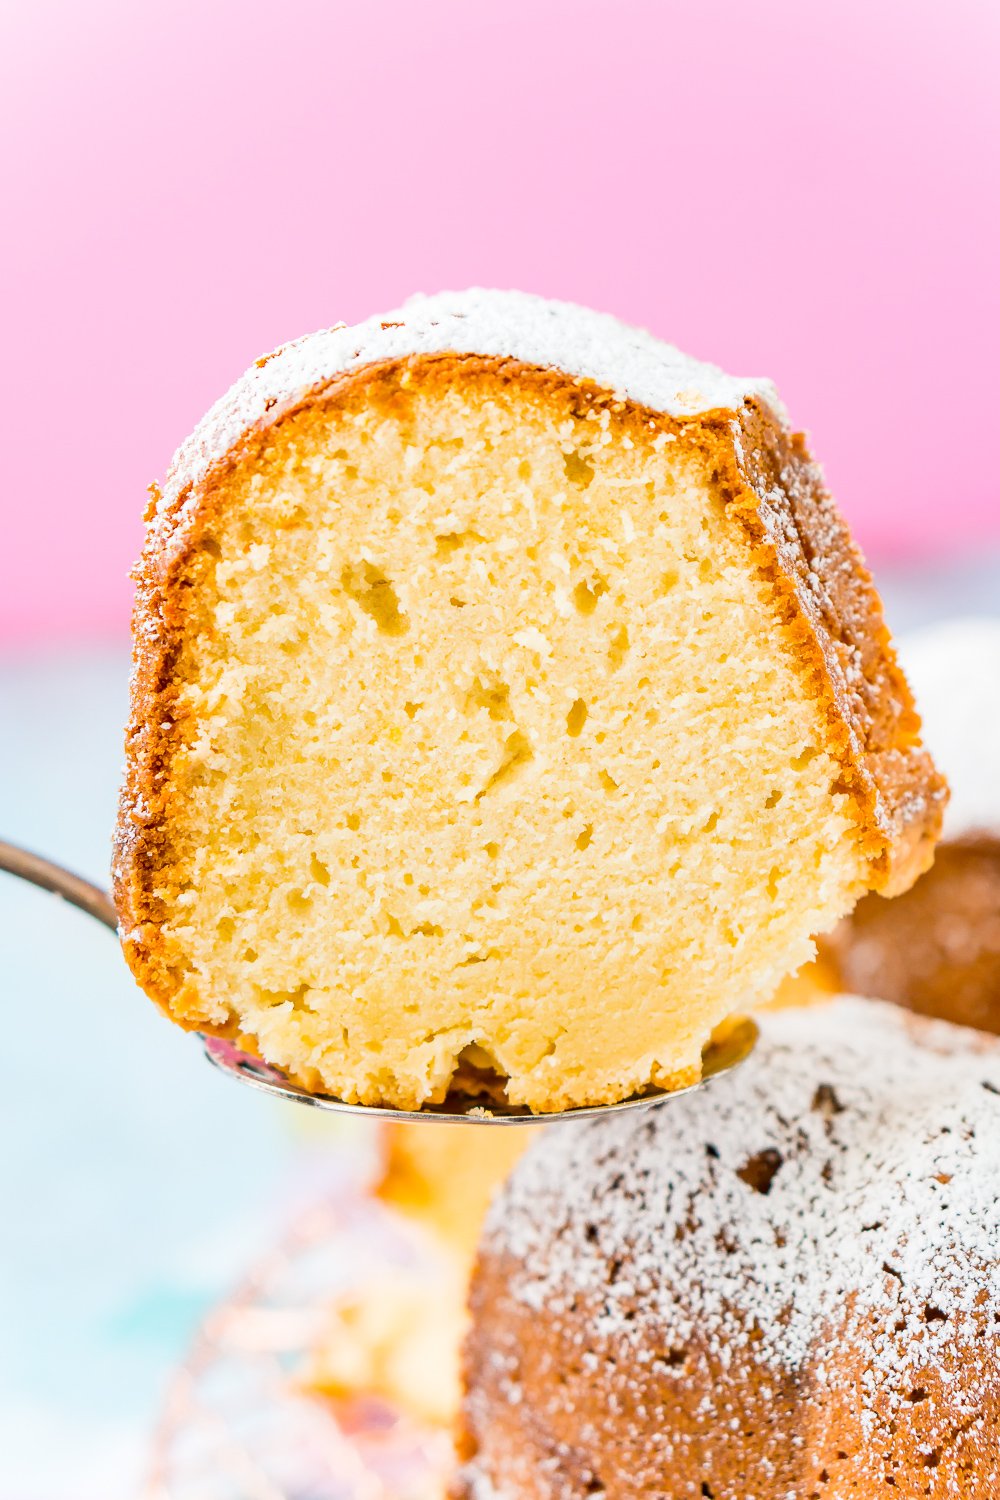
<point>800,189</point>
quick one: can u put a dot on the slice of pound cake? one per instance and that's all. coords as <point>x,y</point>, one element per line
<point>509,701</point>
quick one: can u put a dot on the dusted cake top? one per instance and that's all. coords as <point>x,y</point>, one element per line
<point>507,325</point>
<point>954,670</point>
<point>849,1168</point>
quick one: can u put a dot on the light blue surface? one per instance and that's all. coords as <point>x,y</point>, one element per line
<point>136,1182</point>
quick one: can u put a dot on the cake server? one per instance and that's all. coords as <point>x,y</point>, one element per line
<point>720,1056</point>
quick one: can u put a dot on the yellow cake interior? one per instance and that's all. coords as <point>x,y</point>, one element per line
<point>494,753</point>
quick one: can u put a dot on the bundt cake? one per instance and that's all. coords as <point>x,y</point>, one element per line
<point>937,949</point>
<point>509,702</point>
<point>787,1286</point>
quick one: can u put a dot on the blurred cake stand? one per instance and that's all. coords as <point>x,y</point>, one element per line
<point>239,1421</point>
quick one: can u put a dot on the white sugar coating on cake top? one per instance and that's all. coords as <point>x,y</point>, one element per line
<point>509,325</point>
<point>874,1142</point>
<point>954,671</point>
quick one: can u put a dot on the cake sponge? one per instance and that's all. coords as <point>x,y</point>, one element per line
<point>510,707</point>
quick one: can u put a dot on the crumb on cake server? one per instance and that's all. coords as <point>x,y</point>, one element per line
<point>509,696</point>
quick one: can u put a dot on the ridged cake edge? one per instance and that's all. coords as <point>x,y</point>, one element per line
<point>796,538</point>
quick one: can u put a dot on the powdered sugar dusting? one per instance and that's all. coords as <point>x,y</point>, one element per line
<point>954,671</point>
<point>512,325</point>
<point>848,1172</point>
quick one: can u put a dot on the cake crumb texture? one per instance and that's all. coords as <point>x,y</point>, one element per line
<point>487,721</point>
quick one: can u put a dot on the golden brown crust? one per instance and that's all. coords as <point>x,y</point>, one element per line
<point>737,1426</point>
<point>837,616</point>
<point>764,476</point>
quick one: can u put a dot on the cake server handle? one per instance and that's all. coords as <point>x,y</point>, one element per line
<point>51,877</point>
